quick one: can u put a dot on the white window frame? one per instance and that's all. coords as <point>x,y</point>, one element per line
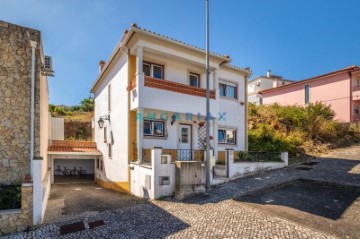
<point>228,129</point>
<point>152,69</point>
<point>226,85</point>
<point>152,122</point>
<point>198,79</point>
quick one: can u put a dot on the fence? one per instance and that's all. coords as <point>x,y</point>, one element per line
<point>176,155</point>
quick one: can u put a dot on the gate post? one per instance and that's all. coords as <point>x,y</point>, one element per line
<point>229,160</point>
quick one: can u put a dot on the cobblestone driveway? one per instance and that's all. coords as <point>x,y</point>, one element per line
<point>217,214</point>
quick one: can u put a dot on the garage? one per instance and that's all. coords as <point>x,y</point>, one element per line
<point>72,161</point>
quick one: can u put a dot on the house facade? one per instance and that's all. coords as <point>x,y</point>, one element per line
<point>24,124</point>
<point>340,89</point>
<point>151,93</point>
<point>263,83</point>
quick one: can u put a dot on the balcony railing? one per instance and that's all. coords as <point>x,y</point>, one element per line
<point>176,87</point>
<point>176,155</point>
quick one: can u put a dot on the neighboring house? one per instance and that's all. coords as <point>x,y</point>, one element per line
<point>340,89</point>
<point>24,124</point>
<point>263,83</point>
<point>151,93</point>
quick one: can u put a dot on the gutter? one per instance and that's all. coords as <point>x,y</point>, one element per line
<point>33,45</point>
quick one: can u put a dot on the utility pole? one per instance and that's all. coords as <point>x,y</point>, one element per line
<point>207,99</point>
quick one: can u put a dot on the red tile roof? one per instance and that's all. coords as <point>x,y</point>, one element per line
<point>67,146</point>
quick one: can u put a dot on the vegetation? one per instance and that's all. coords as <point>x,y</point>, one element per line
<point>86,106</point>
<point>10,197</point>
<point>299,130</point>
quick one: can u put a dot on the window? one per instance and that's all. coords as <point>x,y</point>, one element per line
<point>227,136</point>
<point>110,150</point>
<point>307,94</point>
<point>356,110</point>
<point>283,83</point>
<point>109,97</point>
<point>105,134</point>
<point>228,90</point>
<point>357,83</point>
<point>153,70</point>
<point>97,163</point>
<point>154,128</point>
<point>194,79</point>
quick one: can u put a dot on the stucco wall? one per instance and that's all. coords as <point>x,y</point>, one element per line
<point>333,90</point>
<point>15,83</point>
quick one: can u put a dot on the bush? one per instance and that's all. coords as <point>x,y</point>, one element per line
<point>10,197</point>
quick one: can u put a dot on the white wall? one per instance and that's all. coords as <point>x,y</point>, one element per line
<point>56,128</point>
<point>115,168</point>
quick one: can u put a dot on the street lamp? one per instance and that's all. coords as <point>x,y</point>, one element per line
<point>102,119</point>
<point>207,100</point>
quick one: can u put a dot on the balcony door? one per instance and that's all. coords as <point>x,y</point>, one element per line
<point>184,142</point>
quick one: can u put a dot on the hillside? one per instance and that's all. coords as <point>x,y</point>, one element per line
<point>303,132</point>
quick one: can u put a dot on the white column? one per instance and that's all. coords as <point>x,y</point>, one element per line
<point>139,60</point>
<point>33,45</point>
<point>285,157</point>
<point>139,134</point>
<point>139,74</point>
<point>37,191</point>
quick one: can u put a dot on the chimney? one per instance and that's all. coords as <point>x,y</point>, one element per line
<point>101,65</point>
<point>268,74</point>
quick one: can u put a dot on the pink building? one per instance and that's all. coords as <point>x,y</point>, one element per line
<point>340,89</point>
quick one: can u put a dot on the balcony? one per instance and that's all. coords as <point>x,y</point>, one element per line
<point>171,86</point>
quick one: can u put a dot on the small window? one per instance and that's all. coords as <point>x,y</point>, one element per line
<point>110,150</point>
<point>356,110</point>
<point>227,136</point>
<point>153,70</point>
<point>105,134</point>
<point>283,83</point>
<point>357,83</point>
<point>97,163</point>
<point>307,94</point>
<point>154,128</point>
<point>194,80</point>
<point>228,90</point>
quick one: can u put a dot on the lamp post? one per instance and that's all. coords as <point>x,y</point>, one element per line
<point>207,100</point>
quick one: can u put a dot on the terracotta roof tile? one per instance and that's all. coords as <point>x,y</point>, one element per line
<point>67,146</point>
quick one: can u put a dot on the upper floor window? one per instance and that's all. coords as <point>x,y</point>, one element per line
<point>227,136</point>
<point>307,94</point>
<point>194,79</point>
<point>154,128</point>
<point>356,110</point>
<point>153,70</point>
<point>357,83</point>
<point>228,90</point>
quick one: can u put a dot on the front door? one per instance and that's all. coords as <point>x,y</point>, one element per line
<point>184,142</point>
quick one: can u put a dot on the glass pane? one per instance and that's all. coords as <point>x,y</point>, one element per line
<point>146,69</point>
<point>231,91</point>
<point>194,80</point>
<point>157,72</point>
<point>158,128</point>
<point>184,135</point>
<point>147,127</point>
<point>222,89</point>
<point>307,95</point>
<point>221,136</point>
<point>230,136</point>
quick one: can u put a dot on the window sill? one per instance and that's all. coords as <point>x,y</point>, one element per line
<point>229,99</point>
<point>155,137</point>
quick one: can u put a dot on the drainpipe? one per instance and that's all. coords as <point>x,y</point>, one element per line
<point>246,140</point>
<point>351,97</point>
<point>33,45</point>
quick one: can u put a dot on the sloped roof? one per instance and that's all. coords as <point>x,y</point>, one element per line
<point>67,146</point>
<point>348,68</point>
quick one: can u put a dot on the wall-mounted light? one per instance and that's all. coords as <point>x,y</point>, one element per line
<point>173,119</point>
<point>102,119</point>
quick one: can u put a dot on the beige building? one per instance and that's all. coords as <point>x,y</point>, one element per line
<point>24,123</point>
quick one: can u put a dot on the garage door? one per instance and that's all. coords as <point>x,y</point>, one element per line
<point>74,170</point>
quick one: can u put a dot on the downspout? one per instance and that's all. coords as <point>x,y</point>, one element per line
<point>246,115</point>
<point>33,45</point>
<point>351,97</point>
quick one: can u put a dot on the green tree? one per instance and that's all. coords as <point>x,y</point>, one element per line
<point>87,105</point>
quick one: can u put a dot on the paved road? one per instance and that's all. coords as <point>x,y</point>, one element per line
<point>222,213</point>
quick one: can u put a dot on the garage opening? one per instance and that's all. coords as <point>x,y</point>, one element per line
<point>74,170</point>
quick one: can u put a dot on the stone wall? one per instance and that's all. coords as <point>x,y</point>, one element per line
<point>18,219</point>
<point>15,93</point>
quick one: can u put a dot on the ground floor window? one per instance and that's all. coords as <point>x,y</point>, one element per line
<point>154,128</point>
<point>356,110</point>
<point>227,136</point>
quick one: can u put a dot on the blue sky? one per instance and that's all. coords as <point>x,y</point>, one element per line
<point>296,39</point>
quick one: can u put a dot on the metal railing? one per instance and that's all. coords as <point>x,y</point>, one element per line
<point>185,154</point>
<point>10,197</point>
<point>256,156</point>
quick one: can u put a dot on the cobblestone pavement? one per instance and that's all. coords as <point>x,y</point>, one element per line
<point>218,214</point>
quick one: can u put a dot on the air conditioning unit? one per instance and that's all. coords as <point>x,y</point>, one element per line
<point>47,68</point>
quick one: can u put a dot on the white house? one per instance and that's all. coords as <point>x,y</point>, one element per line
<point>151,93</point>
<point>263,83</point>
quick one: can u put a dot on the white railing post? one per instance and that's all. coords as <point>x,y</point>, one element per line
<point>285,157</point>
<point>229,160</point>
<point>37,191</point>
